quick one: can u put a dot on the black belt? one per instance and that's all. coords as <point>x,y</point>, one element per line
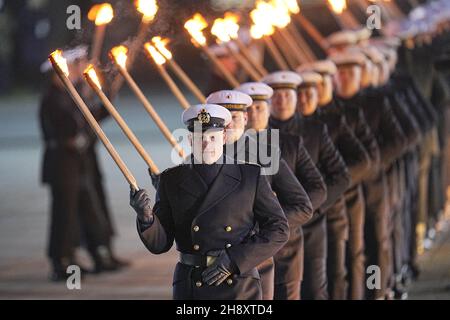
<point>196,260</point>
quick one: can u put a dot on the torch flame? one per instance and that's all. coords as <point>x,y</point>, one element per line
<point>195,26</point>
<point>227,28</point>
<point>157,57</point>
<point>292,6</point>
<point>101,14</point>
<point>90,72</point>
<point>261,17</point>
<point>119,54</point>
<point>60,61</point>
<point>280,13</point>
<point>219,29</point>
<point>160,44</point>
<point>338,6</point>
<point>148,8</point>
<point>231,21</point>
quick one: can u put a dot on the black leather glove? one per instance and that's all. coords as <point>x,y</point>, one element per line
<point>140,201</point>
<point>220,270</point>
<point>155,178</point>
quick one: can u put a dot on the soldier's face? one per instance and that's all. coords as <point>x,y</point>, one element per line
<point>258,115</point>
<point>348,80</point>
<point>283,104</point>
<point>207,147</point>
<point>325,90</point>
<point>236,127</point>
<point>308,99</point>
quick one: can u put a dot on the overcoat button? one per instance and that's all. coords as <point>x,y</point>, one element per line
<point>228,229</point>
<point>196,247</point>
<point>230,281</point>
<point>196,228</point>
<point>198,284</point>
<point>228,245</point>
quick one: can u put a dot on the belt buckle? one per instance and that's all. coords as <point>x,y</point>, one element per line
<point>210,260</point>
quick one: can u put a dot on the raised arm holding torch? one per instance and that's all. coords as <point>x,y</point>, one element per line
<point>93,80</point>
<point>159,62</point>
<point>119,57</point>
<point>101,14</point>
<point>160,45</point>
<point>195,27</point>
<point>60,66</point>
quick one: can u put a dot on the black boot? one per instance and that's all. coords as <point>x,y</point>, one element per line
<point>103,260</point>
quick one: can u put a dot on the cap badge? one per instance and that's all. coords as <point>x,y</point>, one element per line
<point>203,116</point>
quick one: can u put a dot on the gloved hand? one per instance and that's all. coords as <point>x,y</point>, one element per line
<point>220,270</point>
<point>140,201</point>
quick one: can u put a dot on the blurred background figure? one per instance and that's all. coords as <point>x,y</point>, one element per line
<point>79,212</point>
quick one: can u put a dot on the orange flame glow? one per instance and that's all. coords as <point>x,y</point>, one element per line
<point>148,8</point>
<point>338,6</point>
<point>261,17</point>
<point>57,56</point>
<point>90,72</point>
<point>280,13</point>
<point>101,14</point>
<point>157,57</point>
<point>292,6</point>
<point>160,44</point>
<point>119,54</point>
<point>195,26</point>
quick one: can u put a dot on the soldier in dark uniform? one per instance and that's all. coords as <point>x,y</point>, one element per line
<point>71,170</point>
<point>409,163</point>
<point>210,207</point>
<point>357,161</point>
<point>382,216</point>
<point>242,147</point>
<point>348,81</point>
<point>329,162</point>
<point>289,259</point>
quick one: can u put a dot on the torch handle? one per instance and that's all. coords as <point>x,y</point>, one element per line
<point>151,111</point>
<point>275,53</point>
<point>173,86</point>
<point>246,52</point>
<point>298,54</point>
<point>94,125</point>
<point>97,43</point>
<point>301,42</point>
<point>136,44</point>
<point>244,63</point>
<point>288,54</point>
<point>123,125</point>
<point>186,80</point>
<point>232,81</point>
<point>312,31</point>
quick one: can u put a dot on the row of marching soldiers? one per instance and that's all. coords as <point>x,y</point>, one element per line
<point>365,133</point>
<point>363,149</point>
